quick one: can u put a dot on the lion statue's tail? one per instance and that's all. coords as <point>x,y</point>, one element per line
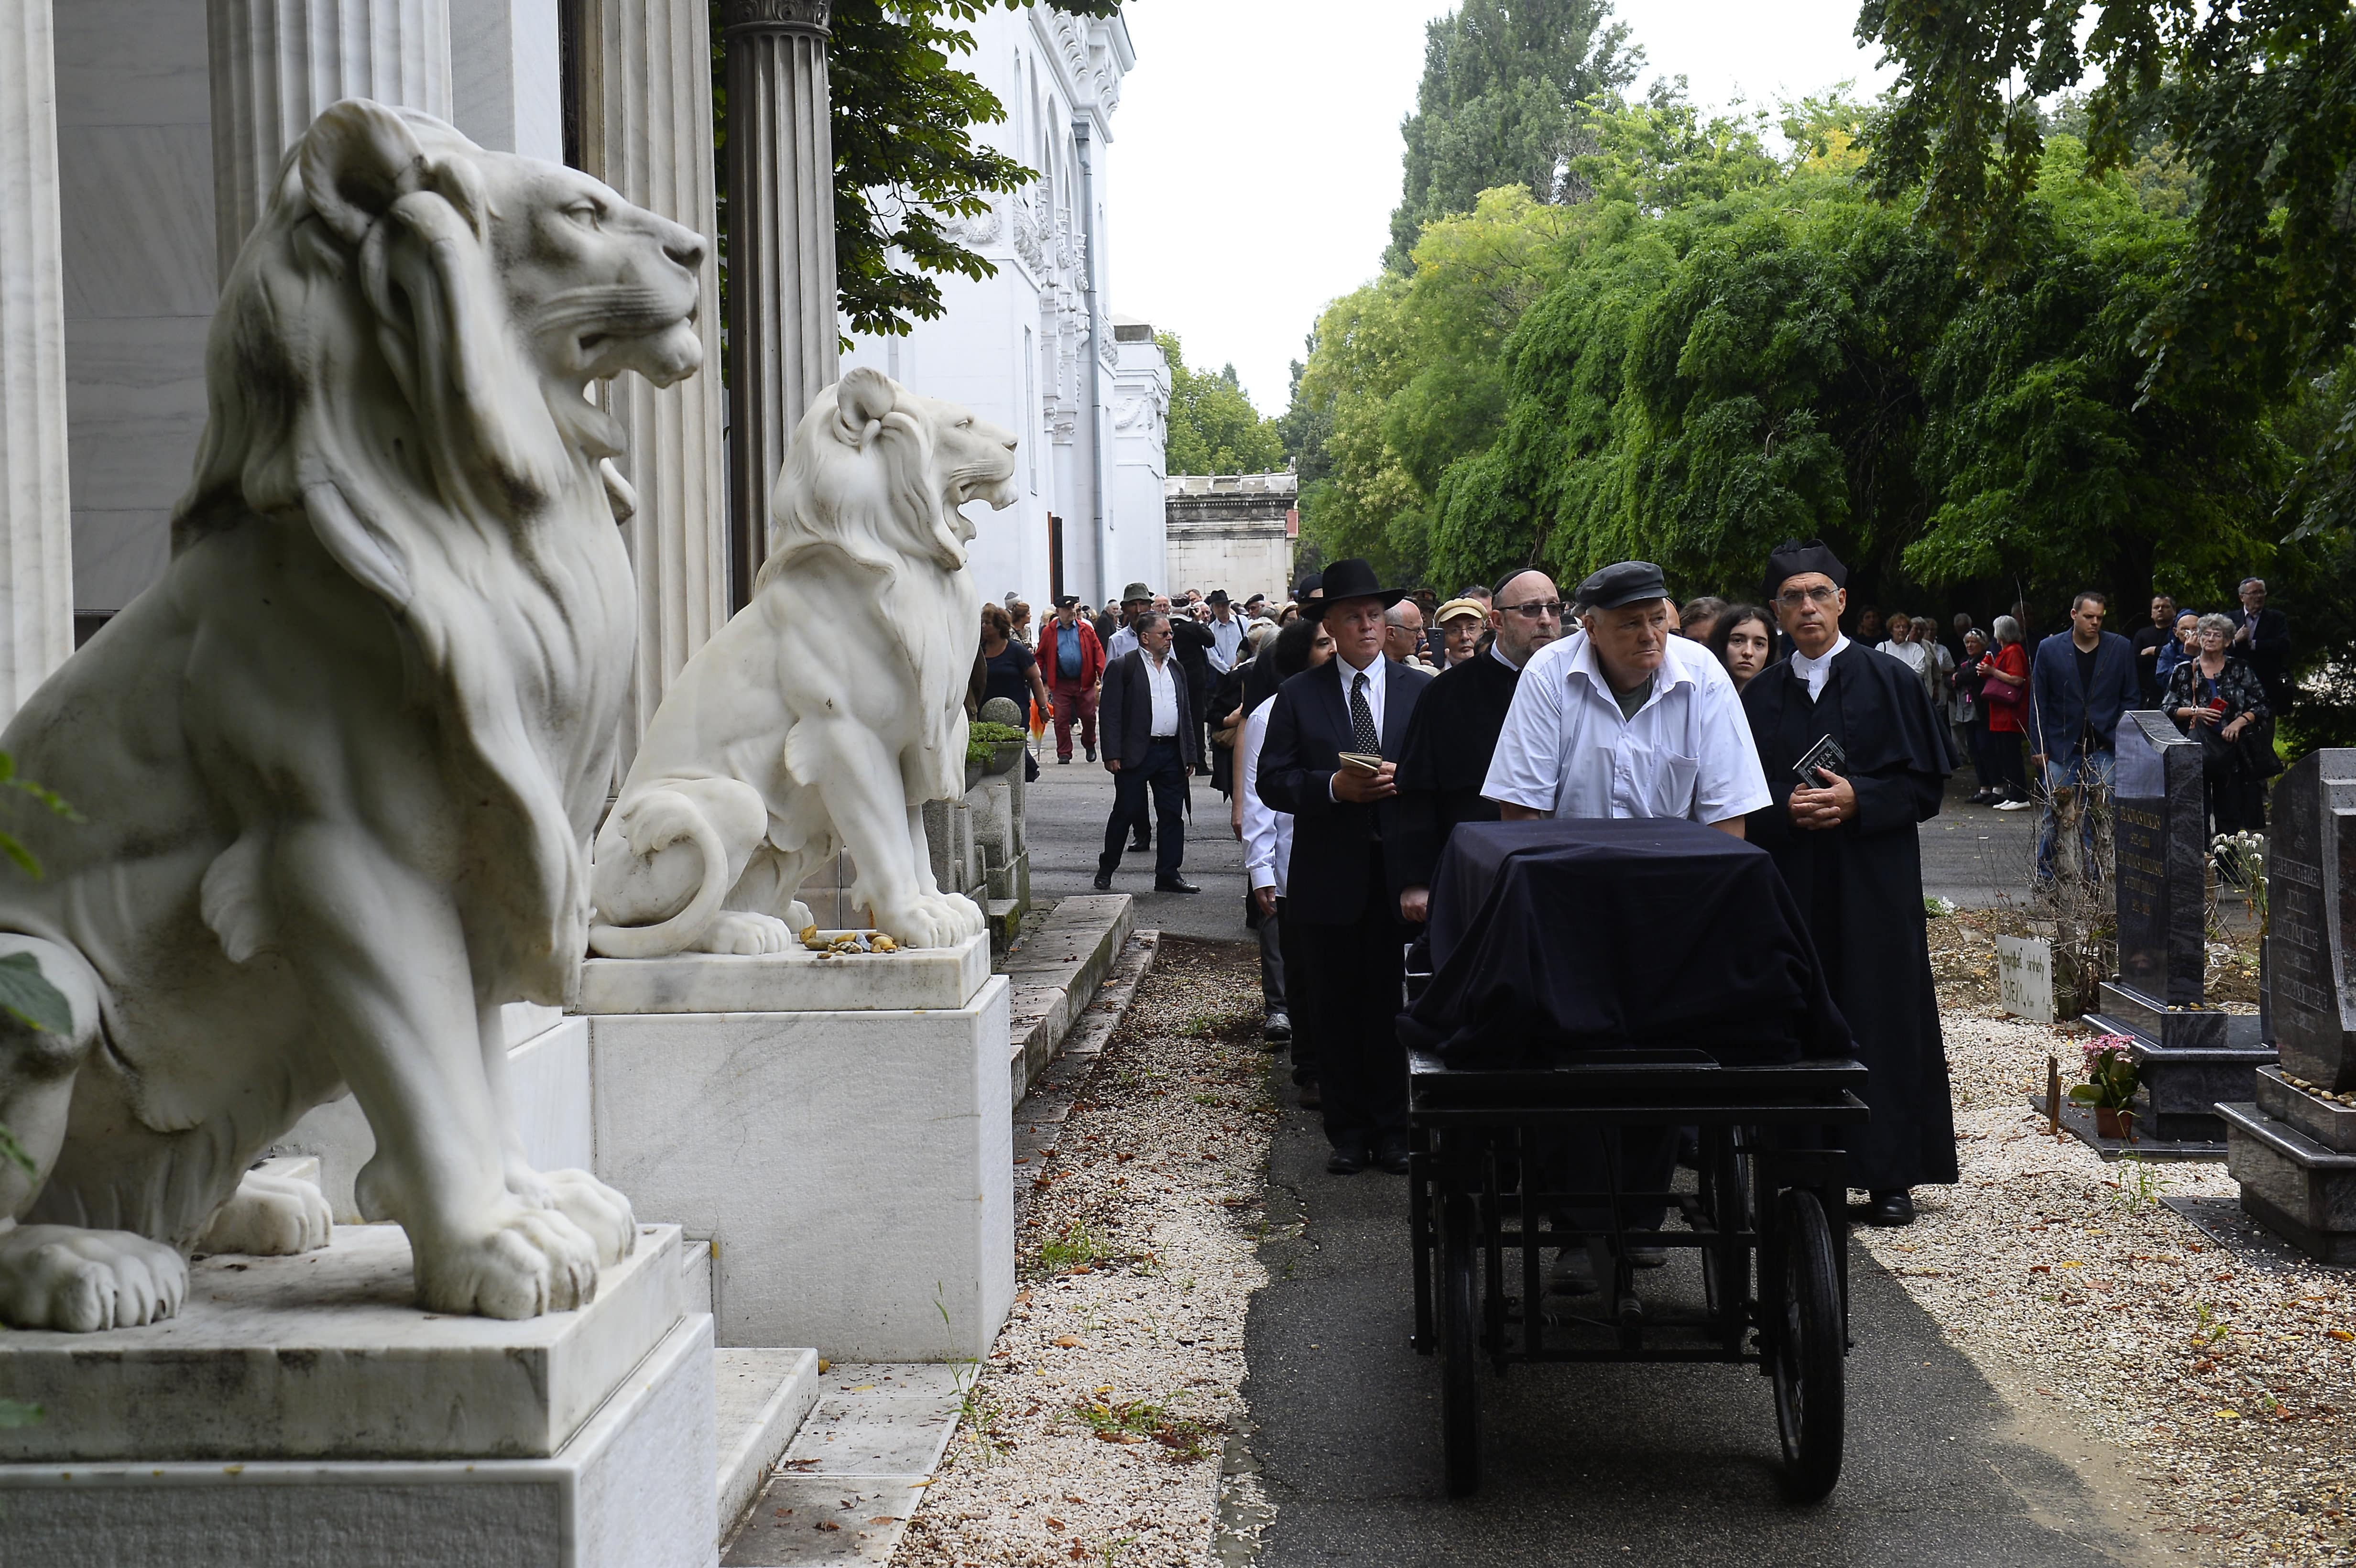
<point>666,937</point>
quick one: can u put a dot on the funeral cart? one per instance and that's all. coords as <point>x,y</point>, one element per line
<point>1559,1015</point>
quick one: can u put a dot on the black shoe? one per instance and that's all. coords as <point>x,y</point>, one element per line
<point>1390,1152</point>
<point>1277,1032</point>
<point>1174,885</point>
<point>1141,847</point>
<point>1092,753</point>
<point>1311,1100</point>
<point>1104,881</point>
<point>1066,759</point>
<point>1346,1162</point>
<point>1891,1209</point>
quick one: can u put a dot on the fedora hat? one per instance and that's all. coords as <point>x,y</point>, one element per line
<point>1351,579</point>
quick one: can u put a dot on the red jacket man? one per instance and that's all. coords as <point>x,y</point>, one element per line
<point>1074,694</point>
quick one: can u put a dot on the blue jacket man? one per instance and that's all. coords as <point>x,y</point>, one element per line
<point>2081,681</point>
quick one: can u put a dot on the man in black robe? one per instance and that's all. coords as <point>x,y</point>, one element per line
<point>1454,734</point>
<point>1845,840</point>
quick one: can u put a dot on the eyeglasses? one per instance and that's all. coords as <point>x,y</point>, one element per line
<point>1536,610</point>
<point>1823,594</point>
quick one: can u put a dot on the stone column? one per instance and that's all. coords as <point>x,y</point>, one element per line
<point>646,130</point>
<point>277,63</point>
<point>783,342</point>
<point>35,558</point>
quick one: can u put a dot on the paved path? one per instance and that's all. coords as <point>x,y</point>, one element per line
<point>1065,813</point>
<point>1604,1464</point>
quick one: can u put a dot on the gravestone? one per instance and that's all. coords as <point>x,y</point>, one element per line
<point>2293,1146</point>
<point>2025,977</point>
<point>2187,1054</point>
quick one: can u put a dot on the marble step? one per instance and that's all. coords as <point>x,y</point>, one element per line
<point>763,1396</point>
<point>857,1470</point>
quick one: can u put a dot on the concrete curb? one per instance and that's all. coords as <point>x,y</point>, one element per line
<point>1054,971</point>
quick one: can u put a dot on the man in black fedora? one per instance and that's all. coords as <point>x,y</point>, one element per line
<point>1333,741</point>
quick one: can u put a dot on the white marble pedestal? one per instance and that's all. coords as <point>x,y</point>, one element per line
<point>300,1412</point>
<point>851,1167</point>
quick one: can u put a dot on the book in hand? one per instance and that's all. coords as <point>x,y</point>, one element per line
<point>1825,754</point>
<point>1365,761</point>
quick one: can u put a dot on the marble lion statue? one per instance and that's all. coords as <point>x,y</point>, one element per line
<point>830,709</point>
<point>338,768</point>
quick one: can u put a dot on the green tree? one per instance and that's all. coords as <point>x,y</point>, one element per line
<point>1214,429</point>
<point>1496,105</point>
<point>904,155</point>
<point>2259,97</point>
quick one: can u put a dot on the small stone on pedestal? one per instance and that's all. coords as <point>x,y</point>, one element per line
<point>2188,1055</point>
<point>2293,1146</point>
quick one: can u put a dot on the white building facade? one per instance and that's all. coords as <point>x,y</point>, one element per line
<point>1035,348</point>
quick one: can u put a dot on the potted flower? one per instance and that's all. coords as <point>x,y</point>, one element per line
<point>2110,1085</point>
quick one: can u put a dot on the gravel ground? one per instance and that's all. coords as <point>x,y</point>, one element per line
<point>2228,1385</point>
<point>1093,1432</point>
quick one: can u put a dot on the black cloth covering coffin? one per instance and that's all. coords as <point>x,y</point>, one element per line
<point>1555,937</point>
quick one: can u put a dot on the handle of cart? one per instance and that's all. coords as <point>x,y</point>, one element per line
<point>1768,1215</point>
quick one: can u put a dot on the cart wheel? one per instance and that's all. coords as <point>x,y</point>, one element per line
<point>1809,1374</point>
<point>1460,1334</point>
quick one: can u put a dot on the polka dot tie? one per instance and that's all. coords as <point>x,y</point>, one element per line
<point>1362,718</point>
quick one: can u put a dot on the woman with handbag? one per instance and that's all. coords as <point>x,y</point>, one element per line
<point>2004,695</point>
<point>2219,700</point>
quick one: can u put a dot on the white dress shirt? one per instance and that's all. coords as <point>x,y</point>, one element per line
<point>1165,696</point>
<point>1813,671</point>
<point>1226,636</point>
<point>1268,832</point>
<point>1687,752</point>
<point>1379,675</point>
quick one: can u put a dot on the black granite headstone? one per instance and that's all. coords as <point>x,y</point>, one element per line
<point>2311,919</point>
<point>2162,860</point>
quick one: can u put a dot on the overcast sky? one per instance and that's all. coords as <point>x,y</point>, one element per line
<point>1256,152</point>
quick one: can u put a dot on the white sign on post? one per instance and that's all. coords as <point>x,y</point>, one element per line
<point>2025,972</point>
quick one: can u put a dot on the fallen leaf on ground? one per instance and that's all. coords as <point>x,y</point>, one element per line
<point>1064,1342</point>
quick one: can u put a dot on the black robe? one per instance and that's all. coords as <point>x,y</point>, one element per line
<point>1860,889</point>
<point>1444,761</point>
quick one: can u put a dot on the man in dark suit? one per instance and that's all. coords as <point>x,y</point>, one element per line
<point>1339,886</point>
<point>1149,742</point>
<point>2263,636</point>
<point>2079,683</point>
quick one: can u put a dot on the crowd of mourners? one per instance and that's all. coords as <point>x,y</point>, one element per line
<point>1353,726</point>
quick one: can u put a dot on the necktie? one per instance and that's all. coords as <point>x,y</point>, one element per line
<point>1362,718</point>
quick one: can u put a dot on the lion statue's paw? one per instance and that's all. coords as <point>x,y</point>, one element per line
<point>270,1216</point>
<point>523,1263</point>
<point>931,920</point>
<point>57,1276</point>
<point>597,1209</point>
<point>740,932</point>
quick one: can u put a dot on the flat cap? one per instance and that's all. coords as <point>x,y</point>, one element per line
<point>1624,583</point>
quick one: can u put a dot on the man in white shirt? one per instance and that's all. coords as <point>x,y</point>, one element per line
<point>1148,745</point>
<point>1135,600</point>
<point>1623,719</point>
<point>1626,718</point>
<point>1226,632</point>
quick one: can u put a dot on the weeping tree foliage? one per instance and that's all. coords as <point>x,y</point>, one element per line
<point>904,155</point>
<point>1214,429</point>
<point>1721,348</point>
<point>2257,98</point>
<point>1496,105</point>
